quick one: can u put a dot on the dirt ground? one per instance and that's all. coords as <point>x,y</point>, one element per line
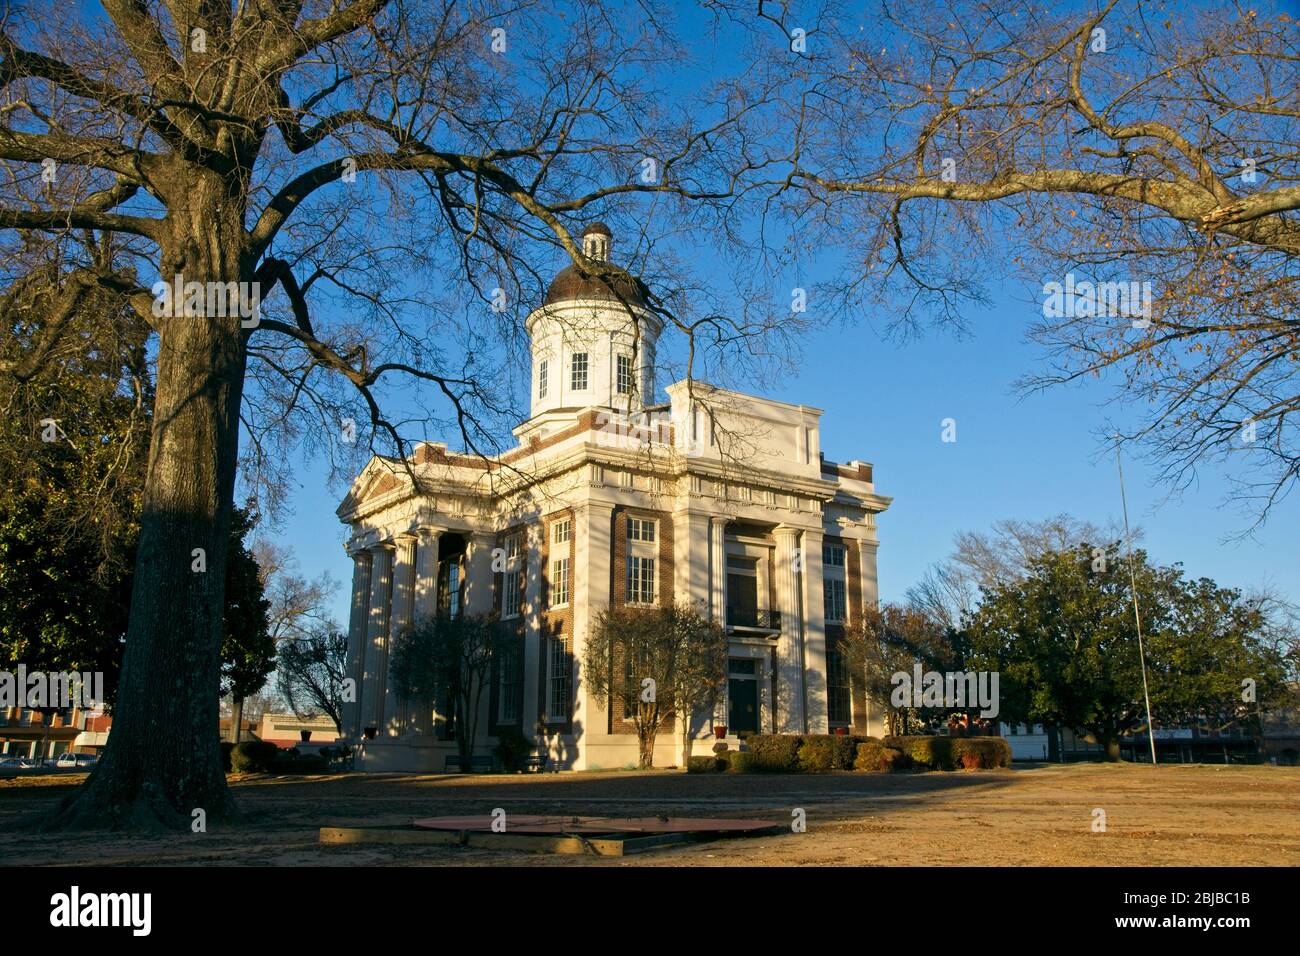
<point>1028,816</point>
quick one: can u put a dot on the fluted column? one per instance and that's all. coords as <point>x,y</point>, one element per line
<point>789,650</point>
<point>402,613</point>
<point>718,569</point>
<point>532,622</point>
<point>357,624</point>
<point>867,567</point>
<point>381,586</point>
<point>816,704</point>
<point>478,572</point>
<point>420,718</point>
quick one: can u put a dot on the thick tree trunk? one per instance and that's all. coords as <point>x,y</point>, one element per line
<point>1110,744</point>
<point>647,742</point>
<point>163,758</point>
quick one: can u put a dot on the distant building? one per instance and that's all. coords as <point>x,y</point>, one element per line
<point>287,730</point>
<point>28,732</point>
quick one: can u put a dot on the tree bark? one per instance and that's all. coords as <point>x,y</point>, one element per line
<point>236,717</point>
<point>163,758</point>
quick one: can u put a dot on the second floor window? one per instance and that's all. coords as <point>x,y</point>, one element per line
<point>511,592</point>
<point>561,531</point>
<point>835,609</point>
<point>559,582</point>
<point>541,378</point>
<point>625,375</point>
<point>640,580</point>
<point>578,378</point>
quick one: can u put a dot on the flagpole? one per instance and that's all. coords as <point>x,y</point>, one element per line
<point>1137,617</point>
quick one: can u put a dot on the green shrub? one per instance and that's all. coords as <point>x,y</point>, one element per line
<point>512,748</point>
<point>878,758</point>
<point>925,753</point>
<point>980,753</point>
<point>705,765</point>
<point>252,756</point>
<point>774,753</point>
<point>741,761</point>
<point>816,753</point>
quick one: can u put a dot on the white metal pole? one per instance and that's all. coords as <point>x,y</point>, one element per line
<point>1137,617</point>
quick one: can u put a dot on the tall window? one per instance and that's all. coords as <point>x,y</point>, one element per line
<point>559,582</point>
<point>578,372</point>
<point>453,589</point>
<point>837,688</point>
<point>557,679</point>
<point>541,378</point>
<point>833,589</point>
<point>511,593</point>
<point>640,580</point>
<point>624,375</point>
<point>509,710</point>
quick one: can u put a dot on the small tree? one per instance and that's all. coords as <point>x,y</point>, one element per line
<point>658,661</point>
<point>452,655</point>
<point>701,666</point>
<point>889,640</point>
<point>312,672</point>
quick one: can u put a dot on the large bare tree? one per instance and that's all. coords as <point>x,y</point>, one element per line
<point>947,142</point>
<point>381,176</point>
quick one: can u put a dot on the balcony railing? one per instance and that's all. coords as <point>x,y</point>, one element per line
<point>754,617</point>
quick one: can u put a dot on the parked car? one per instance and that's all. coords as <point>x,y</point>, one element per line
<point>15,762</point>
<point>71,761</point>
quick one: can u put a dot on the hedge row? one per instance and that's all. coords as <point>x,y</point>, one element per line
<point>821,753</point>
<point>260,756</point>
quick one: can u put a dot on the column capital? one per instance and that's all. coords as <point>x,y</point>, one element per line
<point>425,531</point>
<point>386,545</point>
<point>787,531</point>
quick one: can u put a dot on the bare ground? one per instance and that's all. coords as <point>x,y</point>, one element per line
<point>1193,815</point>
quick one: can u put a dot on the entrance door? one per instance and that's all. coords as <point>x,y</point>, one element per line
<point>742,698</point>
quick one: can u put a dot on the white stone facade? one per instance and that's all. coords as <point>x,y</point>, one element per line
<point>715,497</point>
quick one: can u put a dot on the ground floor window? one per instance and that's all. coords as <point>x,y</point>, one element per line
<point>559,666</point>
<point>509,711</point>
<point>837,688</point>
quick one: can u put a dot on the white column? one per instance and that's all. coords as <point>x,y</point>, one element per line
<point>871,712</point>
<point>357,623</point>
<point>593,530</point>
<point>718,569</point>
<point>425,604</point>
<point>789,652</point>
<point>381,580</point>
<point>533,554</point>
<point>814,624</point>
<point>478,572</point>
<point>867,568</point>
<point>402,615</point>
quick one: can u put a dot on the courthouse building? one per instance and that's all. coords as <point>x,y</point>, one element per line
<point>612,497</point>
